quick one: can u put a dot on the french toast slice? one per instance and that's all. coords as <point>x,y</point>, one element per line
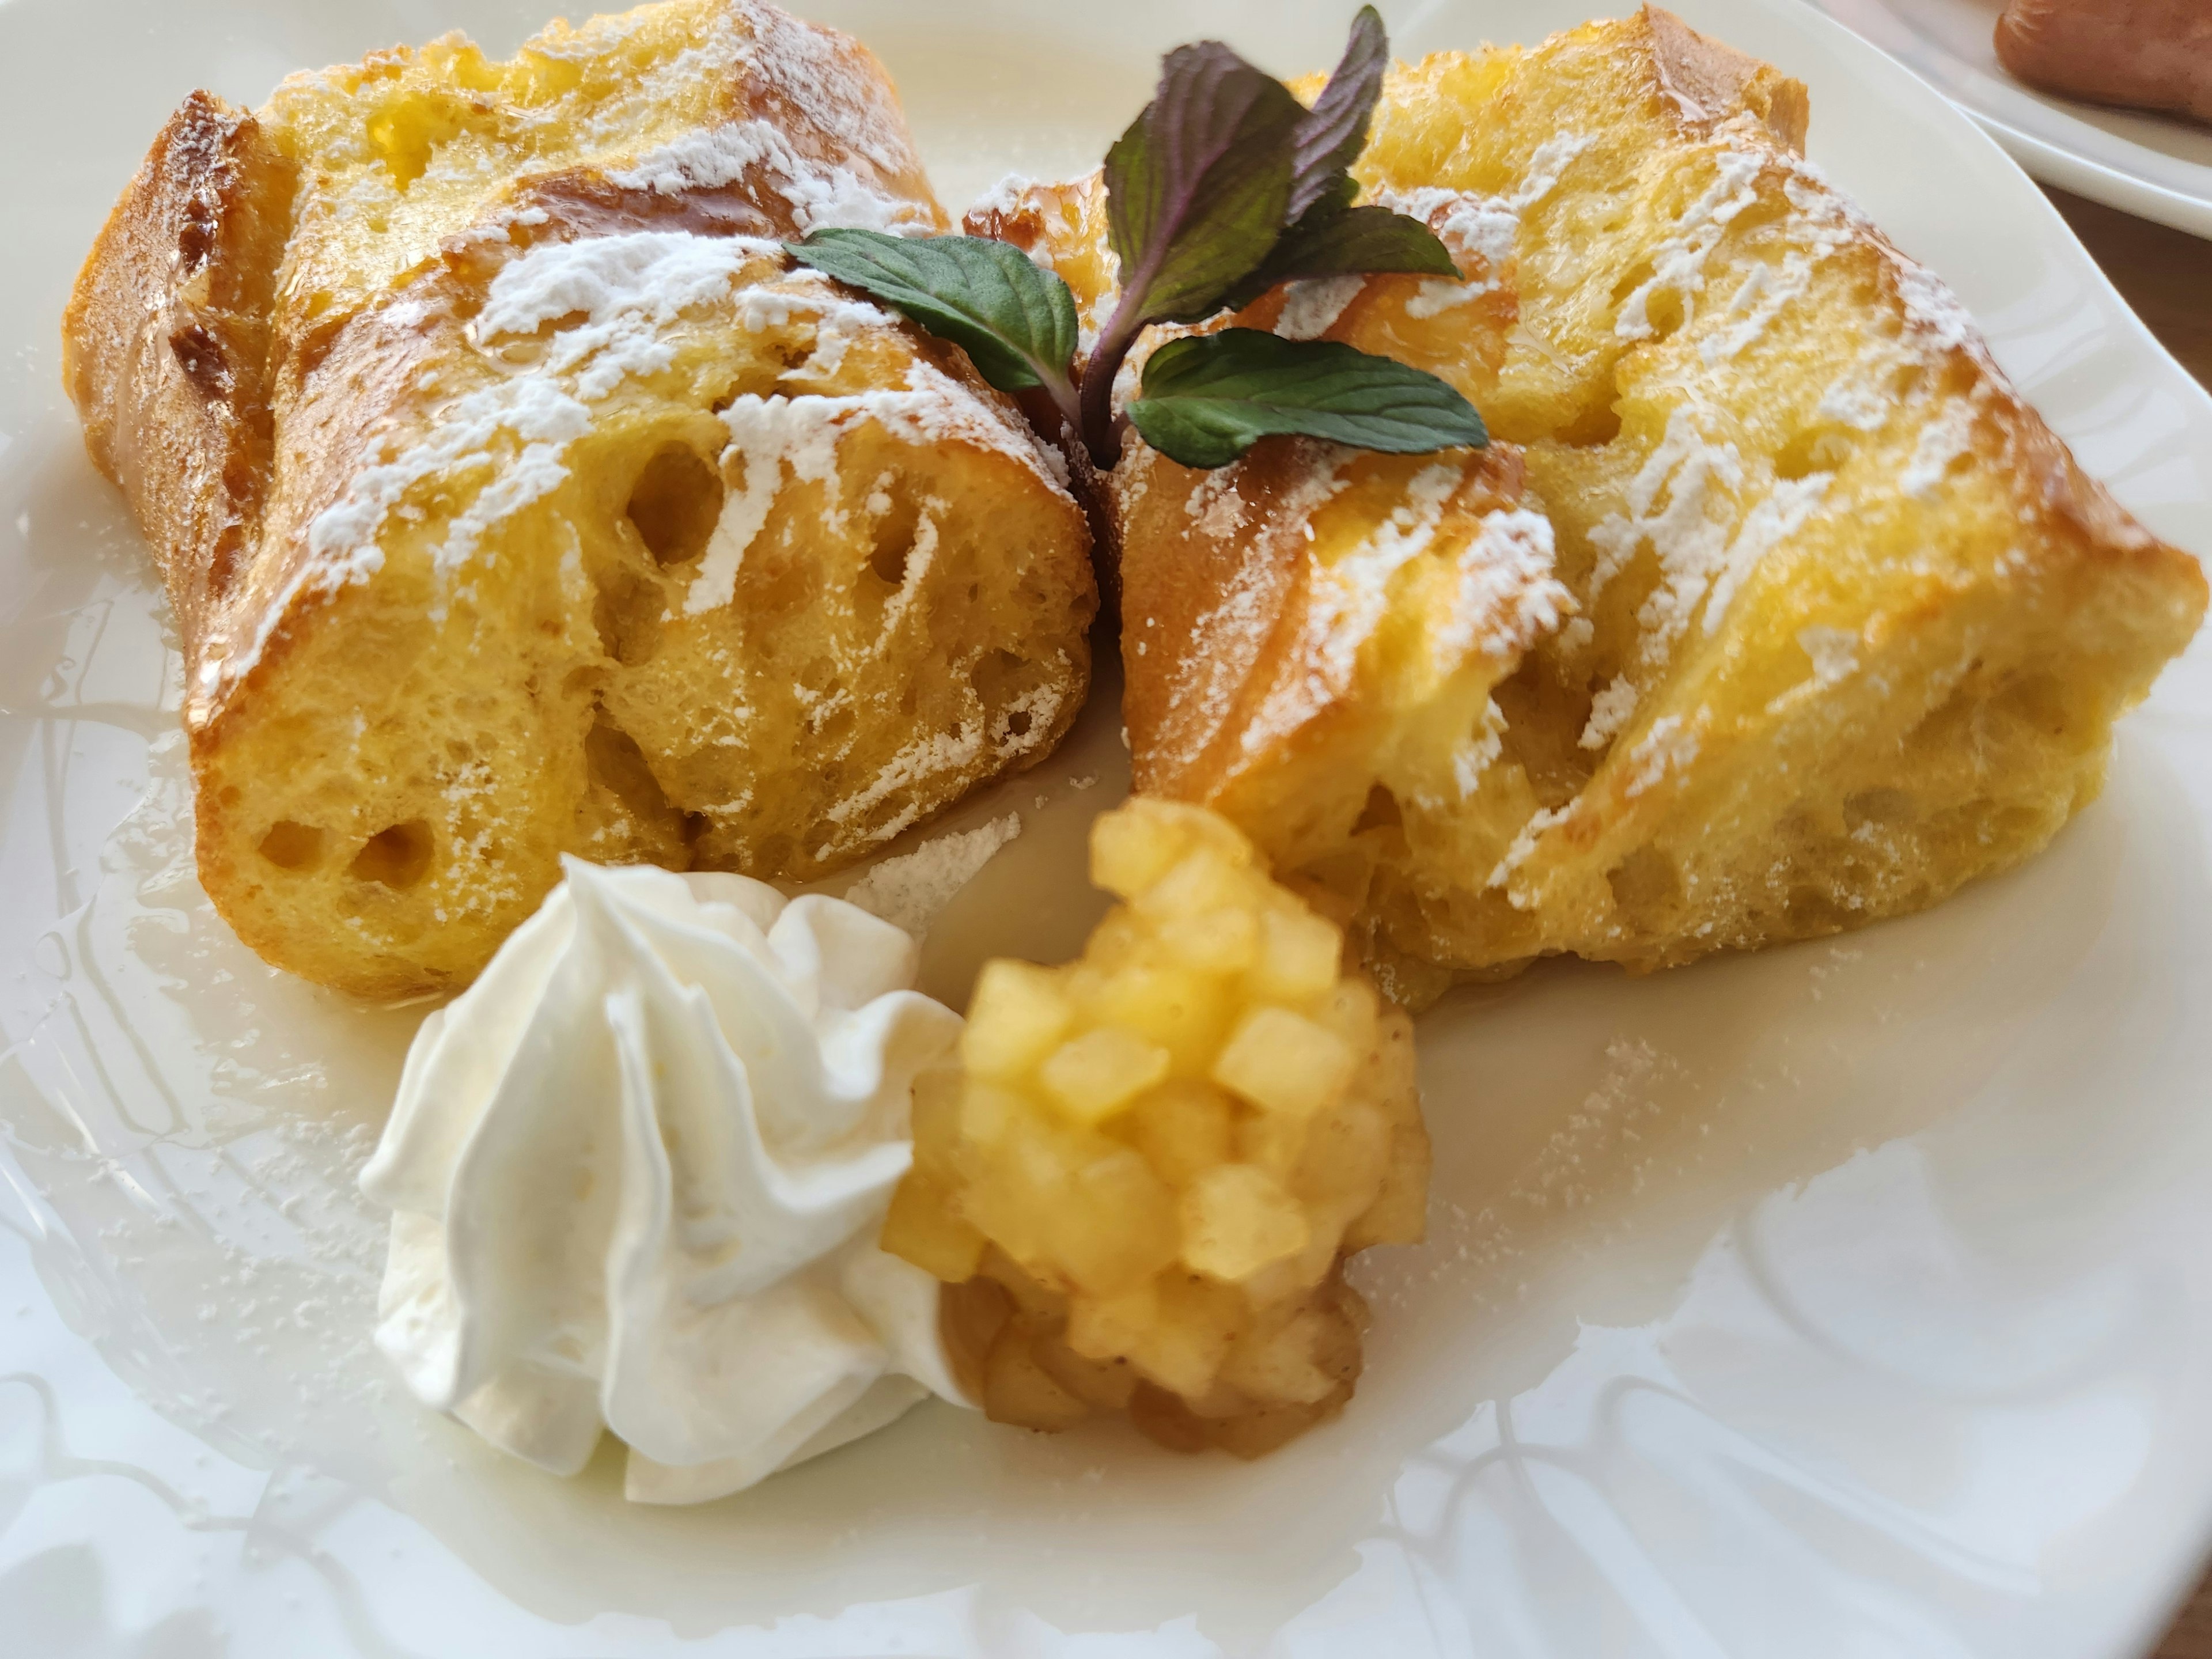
<point>516,498</point>
<point>1822,620</point>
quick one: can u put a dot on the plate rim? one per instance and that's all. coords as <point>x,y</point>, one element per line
<point>2044,156</point>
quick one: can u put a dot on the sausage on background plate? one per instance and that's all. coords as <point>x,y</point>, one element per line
<point>2151,54</point>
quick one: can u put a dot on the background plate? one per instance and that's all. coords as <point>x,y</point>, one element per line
<point>1851,1299</point>
<point>2152,165</point>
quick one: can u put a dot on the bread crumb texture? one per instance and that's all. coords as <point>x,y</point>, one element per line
<point>517,497</point>
<point>1773,611</point>
<point>1143,1179</point>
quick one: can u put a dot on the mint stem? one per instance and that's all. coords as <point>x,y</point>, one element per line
<point>1095,419</point>
<point>1058,422</point>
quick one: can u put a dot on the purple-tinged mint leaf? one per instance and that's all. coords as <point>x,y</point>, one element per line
<point>1198,186</point>
<point>1335,131</point>
<point>1339,241</point>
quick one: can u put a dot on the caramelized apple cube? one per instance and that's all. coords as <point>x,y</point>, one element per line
<point>1237,1219</point>
<point>1118,1228</point>
<point>1017,1390</point>
<point>1184,1127</point>
<point>1298,956</point>
<point>923,1226</point>
<point>1091,1077</point>
<point>1014,1018</point>
<point>1284,1062</point>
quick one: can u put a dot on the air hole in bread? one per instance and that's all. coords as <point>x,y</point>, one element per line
<point>628,613</point>
<point>290,846</point>
<point>1663,311</point>
<point>2035,700</point>
<point>1821,449</point>
<point>832,726</point>
<point>398,857</point>
<point>1878,806</point>
<point>406,136</point>
<point>1646,880</point>
<point>614,763</point>
<point>1633,279</point>
<point>994,678</point>
<point>1815,911</point>
<point>675,503</point>
<point>892,539</point>
<point>1380,812</point>
<point>1598,424</point>
<point>1544,724</point>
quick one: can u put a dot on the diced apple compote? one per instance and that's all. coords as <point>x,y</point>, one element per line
<point>1145,1176</point>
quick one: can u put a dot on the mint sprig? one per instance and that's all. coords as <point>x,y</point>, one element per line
<point>1208,398</point>
<point>1223,188</point>
<point>1199,187</point>
<point>1335,131</point>
<point>1016,322</point>
<point>1340,242</point>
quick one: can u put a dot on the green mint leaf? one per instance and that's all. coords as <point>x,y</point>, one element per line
<point>1335,131</point>
<point>1208,398</point>
<point>1199,185</point>
<point>1336,241</point>
<point>1016,322</point>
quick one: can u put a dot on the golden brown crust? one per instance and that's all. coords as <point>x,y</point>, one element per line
<point>1714,81</point>
<point>166,345</point>
<point>1242,670</point>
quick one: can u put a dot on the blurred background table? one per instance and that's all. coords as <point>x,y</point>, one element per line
<point>2167,277</point>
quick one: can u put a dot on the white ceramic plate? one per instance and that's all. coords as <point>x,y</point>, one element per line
<point>2155,166</point>
<point>1853,1299</point>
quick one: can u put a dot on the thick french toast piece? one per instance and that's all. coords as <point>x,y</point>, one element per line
<point>1827,621</point>
<point>515,496</point>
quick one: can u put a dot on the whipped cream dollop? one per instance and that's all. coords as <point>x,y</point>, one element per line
<point>637,1172</point>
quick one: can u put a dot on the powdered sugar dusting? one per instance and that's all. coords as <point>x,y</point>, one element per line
<point>1834,653</point>
<point>1350,594</point>
<point>1702,565</point>
<point>1481,231</point>
<point>1524,844</point>
<point>769,434</point>
<point>909,889</point>
<point>1506,597</point>
<point>1778,516</point>
<point>342,538</point>
<point>1942,441</point>
<point>1311,307</point>
<point>820,195</point>
<point>612,302</point>
<point>627,290</point>
<point>1669,746</point>
<point>819,73</point>
<point>1678,265</point>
